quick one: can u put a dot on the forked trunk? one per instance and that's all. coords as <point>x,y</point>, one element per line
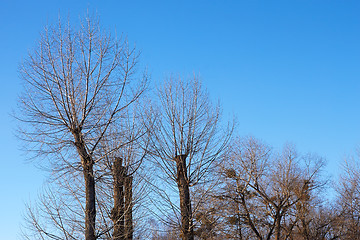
<point>187,230</point>
<point>121,214</point>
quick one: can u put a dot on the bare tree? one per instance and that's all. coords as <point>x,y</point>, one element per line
<point>348,200</point>
<point>78,85</point>
<point>56,206</point>
<point>121,174</point>
<point>186,141</point>
<point>265,194</point>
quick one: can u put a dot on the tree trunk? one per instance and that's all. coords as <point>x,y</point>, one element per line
<point>278,226</point>
<point>90,207</point>
<point>185,202</point>
<point>128,208</point>
<point>90,202</point>
<point>117,213</point>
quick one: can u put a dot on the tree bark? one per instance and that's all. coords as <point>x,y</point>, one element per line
<point>185,202</point>
<point>90,207</point>
<point>278,225</point>
<point>128,208</point>
<point>90,202</point>
<point>117,213</point>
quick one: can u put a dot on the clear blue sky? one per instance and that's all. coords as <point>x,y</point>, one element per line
<point>289,70</point>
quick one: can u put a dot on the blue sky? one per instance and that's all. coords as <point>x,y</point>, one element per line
<point>288,70</point>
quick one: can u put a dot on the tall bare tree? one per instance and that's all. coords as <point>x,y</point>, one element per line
<point>186,141</point>
<point>79,84</point>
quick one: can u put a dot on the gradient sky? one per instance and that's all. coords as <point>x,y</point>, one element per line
<point>288,70</point>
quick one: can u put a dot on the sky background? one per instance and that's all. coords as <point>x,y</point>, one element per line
<point>288,70</point>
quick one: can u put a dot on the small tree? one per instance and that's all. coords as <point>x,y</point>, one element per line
<point>78,85</point>
<point>265,195</point>
<point>186,141</point>
<point>348,200</point>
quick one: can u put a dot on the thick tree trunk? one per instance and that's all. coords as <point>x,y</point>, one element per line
<point>128,208</point>
<point>117,213</point>
<point>90,202</point>
<point>90,207</point>
<point>185,202</point>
